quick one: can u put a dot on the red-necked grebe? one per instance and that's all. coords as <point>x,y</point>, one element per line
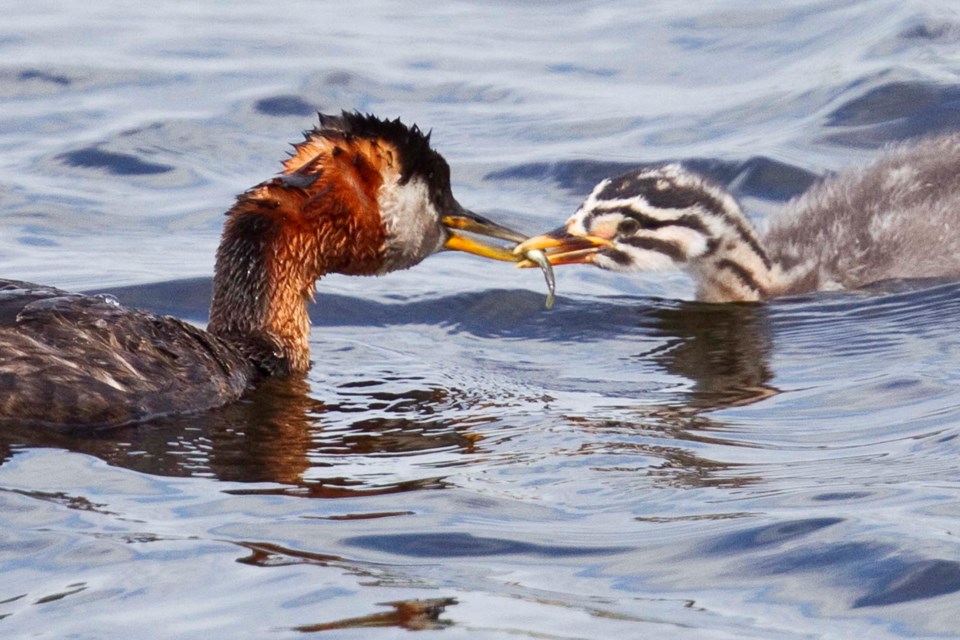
<point>359,196</point>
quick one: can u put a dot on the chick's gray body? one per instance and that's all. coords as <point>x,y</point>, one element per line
<point>897,218</point>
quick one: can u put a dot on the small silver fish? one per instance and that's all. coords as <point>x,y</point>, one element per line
<point>540,259</point>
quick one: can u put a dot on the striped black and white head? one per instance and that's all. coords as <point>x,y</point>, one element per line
<point>664,217</point>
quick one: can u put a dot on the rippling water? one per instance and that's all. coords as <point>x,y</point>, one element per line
<point>461,460</point>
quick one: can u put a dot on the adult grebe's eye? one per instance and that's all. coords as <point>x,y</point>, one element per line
<point>627,226</point>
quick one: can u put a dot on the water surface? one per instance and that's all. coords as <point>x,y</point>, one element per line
<point>461,461</point>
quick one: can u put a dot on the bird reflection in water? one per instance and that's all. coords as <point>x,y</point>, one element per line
<point>279,433</point>
<point>412,615</point>
<point>724,351</point>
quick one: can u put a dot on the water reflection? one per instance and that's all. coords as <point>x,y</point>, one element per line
<point>724,349</point>
<point>281,432</point>
<point>412,615</point>
<point>274,434</point>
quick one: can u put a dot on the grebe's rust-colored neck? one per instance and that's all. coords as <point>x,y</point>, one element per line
<point>319,216</point>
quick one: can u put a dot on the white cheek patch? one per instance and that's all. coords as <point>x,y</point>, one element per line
<point>639,260</point>
<point>656,261</point>
<point>411,222</point>
<point>647,260</point>
<point>693,243</point>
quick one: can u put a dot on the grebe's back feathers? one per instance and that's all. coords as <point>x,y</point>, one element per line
<point>104,364</point>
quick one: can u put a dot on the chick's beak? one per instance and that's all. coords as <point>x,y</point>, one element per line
<point>463,220</point>
<point>562,247</point>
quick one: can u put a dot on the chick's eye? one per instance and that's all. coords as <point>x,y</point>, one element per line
<point>627,226</point>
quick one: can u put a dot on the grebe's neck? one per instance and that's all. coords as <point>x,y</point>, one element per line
<point>260,296</point>
<point>273,249</point>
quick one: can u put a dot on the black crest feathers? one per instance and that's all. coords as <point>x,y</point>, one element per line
<point>417,158</point>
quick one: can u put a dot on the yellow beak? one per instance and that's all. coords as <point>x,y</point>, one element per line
<point>464,220</point>
<point>562,247</point>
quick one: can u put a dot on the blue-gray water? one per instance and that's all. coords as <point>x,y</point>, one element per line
<point>626,465</point>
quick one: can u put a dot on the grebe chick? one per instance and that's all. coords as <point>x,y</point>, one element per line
<point>898,218</point>
<point>359,196</point>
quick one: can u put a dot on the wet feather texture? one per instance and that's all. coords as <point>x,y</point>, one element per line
<point>359,196</point>
<point>66,356</point>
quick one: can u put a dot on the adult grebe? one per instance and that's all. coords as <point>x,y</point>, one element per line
<point>360,196</point>
<point>899,218</point>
